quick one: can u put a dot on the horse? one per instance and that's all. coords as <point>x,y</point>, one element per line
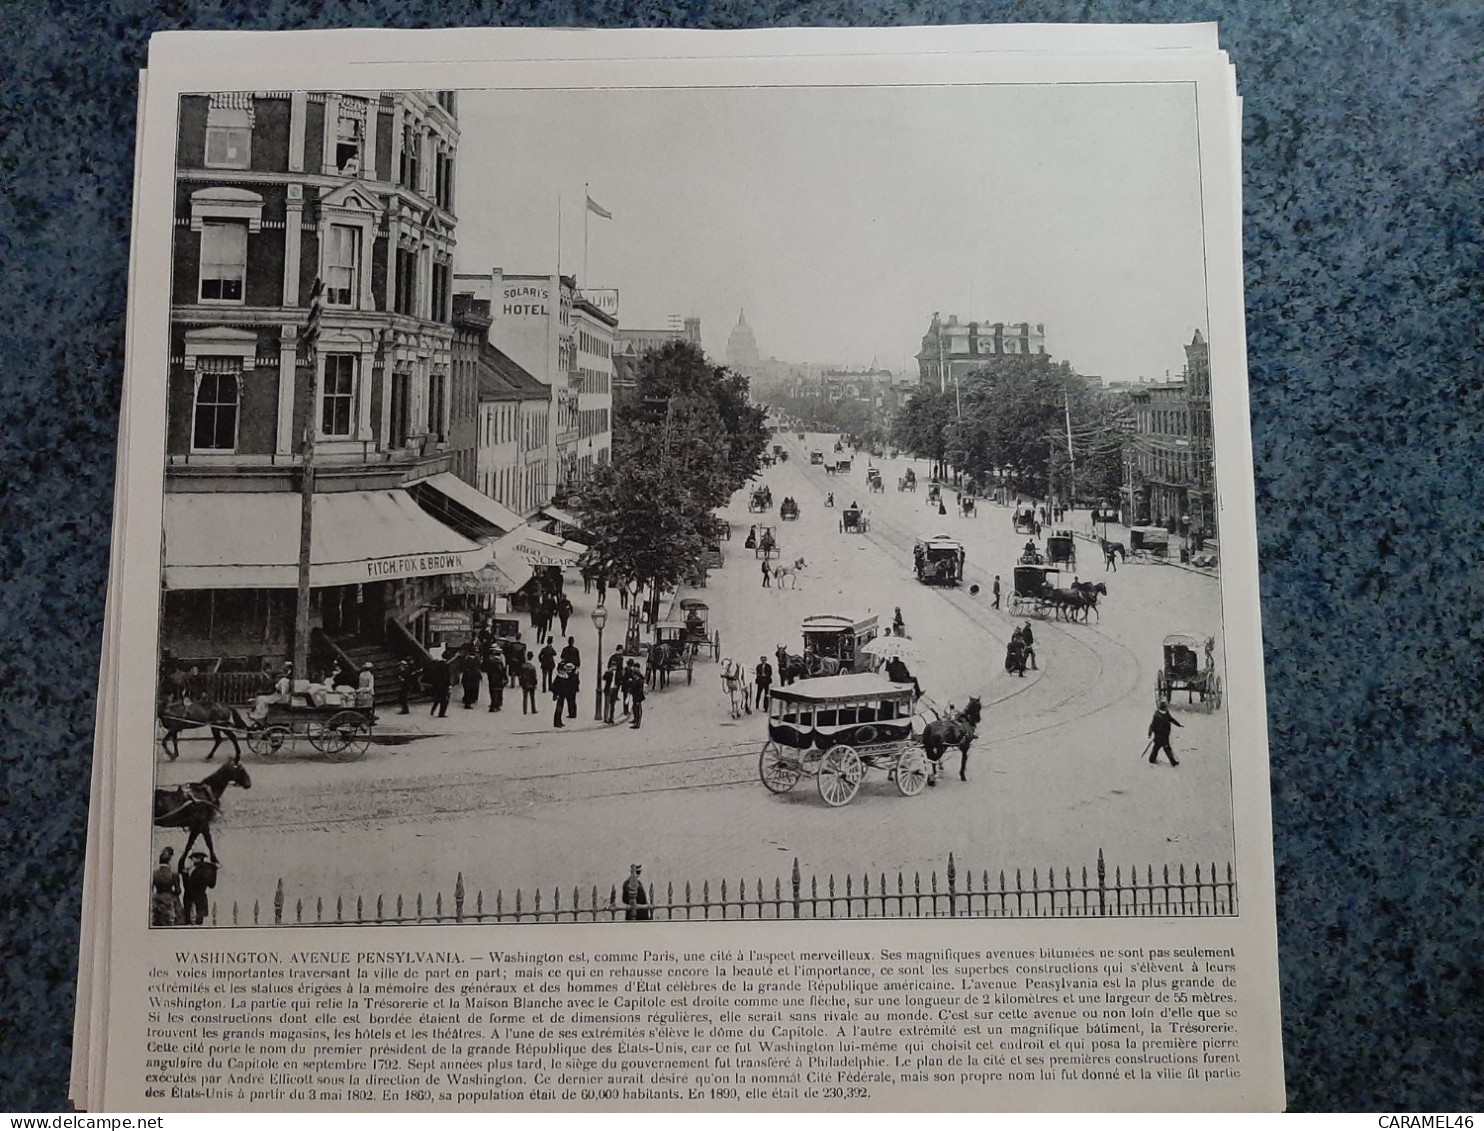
<point>791,572</point>
<point>734,679</point>
<point>956,730</point>
<point>196,805</point>
<point>658,663</point>
<point>1109,550</point>
<point>1090,591</point>
<point>188,714</point>
<point>792,667</point>
<point>1067,603</point>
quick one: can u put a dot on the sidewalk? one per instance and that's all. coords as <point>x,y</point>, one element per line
<point>1081,525</point>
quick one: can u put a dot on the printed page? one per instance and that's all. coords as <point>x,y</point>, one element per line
<point>734,573</point>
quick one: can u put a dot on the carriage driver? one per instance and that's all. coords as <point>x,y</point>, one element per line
<point>280,695</point>
<point>896,671</point>
<point>693,623</point>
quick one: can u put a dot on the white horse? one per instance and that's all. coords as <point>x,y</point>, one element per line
<point>791,572</point>
<point>734,679</point>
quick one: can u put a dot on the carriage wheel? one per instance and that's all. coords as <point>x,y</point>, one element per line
<point>716,646</point>
<point>912,771</point>
<point>840,774</point>
<point>325,740</point>
<point>269,742</point>
<point>689,670</point>
<point>779,772</point>
<point>353,733</point>
<point>1161,689</point>
<point>1215,692</point>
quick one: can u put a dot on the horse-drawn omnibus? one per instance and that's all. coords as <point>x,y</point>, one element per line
<point>834,730</point>
<point>938,560</point>
<point>1061,549</point>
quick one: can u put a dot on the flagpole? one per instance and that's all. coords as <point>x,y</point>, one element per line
<point>559,234</point>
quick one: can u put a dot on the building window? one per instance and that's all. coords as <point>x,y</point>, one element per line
<point>223,261</point>
<point>338,401</point>
<point>214,427</point>
<point>411,165</point>
<point>406,298</point>
<point>228,138</point>
<point>342,265</point>
<point>349,137</point>
<point>401,400</point>
<point>438,406</point>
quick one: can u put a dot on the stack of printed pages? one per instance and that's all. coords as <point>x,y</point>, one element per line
<point>683,570</point>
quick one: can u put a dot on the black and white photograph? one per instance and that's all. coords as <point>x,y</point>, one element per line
<point>714,503</point>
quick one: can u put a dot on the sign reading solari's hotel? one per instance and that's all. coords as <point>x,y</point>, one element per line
<point>524,300</point>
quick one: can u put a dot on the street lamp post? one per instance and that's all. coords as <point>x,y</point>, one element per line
<point>600,618</point>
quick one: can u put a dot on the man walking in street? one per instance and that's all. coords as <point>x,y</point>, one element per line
<point>763,679</point>
<point>439,678</point>
<point>527,687</point>
<point>571,654</point>
<point>1029,640</point>
<point>200,879</point>
<point>612,677</point>
<point>470,677</point>
<point>564,611</point>
<point>516,658</point>
<point>634,683</point>
<point>564,693</point>
<point>494,672</point>
<point>996,591</point>
<point>406,678</point>
<point>547,657</point>
<point>767,574</point>
<point>1159,731</point>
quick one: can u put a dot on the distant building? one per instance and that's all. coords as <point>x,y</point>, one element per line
<point>592,360</point>
<point>952,349</point>
<point>742,352</point>
<point>630,344</point>
<point>1171,473</point>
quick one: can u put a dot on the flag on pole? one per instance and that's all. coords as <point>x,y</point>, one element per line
<point>596,208</point>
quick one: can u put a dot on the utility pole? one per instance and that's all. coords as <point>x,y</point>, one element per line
<point>310,342</point>
<point>1071,456</point>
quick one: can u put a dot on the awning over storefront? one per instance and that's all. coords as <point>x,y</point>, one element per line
<point>537,548</point>
<point>250,540</point>
<point>498,578</point>
<point>457,504</point>
<point>566,518</point>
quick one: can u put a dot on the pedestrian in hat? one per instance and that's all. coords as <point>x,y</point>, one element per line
<point>470,678</point>
<point>495,675</point>
<point>762,679</point>
<point>635,898</point>
<point>164,901</point>
<point>528,681</point>
<point>564,611</point>
<point>612,679</point>
<point>571,654</point>
<point>439,678</point>
<point>197,881</point>
<point>1030,645</point>
<point>547,658</point>
<point>564,693</point>
<point>634,690</point>
<point>1159,731</point>
<point>406,680</point>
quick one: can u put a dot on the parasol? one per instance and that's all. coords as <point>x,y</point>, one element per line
<point>886,647</point>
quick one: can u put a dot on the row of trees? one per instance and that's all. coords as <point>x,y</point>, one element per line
<point>682,447</point>
<point>815,414</point>
<point>1008,423</point>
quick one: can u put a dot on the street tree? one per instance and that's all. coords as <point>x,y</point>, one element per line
<point>921,427</point>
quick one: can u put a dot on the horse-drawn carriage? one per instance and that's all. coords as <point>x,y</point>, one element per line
<point>935,493</point>
<point>1183,671</point>
<point>1030,556</point>
<point>908,482</point>
<point>1024,521</point>
<point>1148,542</point>
<point>777,451</point>
<point>816,456</point>
<point>764,543</point>
<point>788,510</point>
<point>873,480</point>
<point>1061,549</point>
<point>671,652</point>
<point>760,500</point>
<point>339,726</point>
<point>842,465</point>
<point>938,560</point>
<point>833,643</point>
<point>968,506</point>
<point>834,730</point>
<point>699,636</point>
<point>853,520</point>
<point>1034,587</point>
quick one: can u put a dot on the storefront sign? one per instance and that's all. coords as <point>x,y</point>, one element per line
<point>450,621</point>
<point>605,299</point>
<point>526,300</point>
<point>414,565</point>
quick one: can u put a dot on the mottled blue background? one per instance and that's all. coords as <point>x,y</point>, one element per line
<point>1362,226</point>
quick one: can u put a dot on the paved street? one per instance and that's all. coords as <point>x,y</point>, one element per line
<point>1055,775</point>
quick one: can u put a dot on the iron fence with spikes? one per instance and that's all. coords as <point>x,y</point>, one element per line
<point>1163,891</point>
